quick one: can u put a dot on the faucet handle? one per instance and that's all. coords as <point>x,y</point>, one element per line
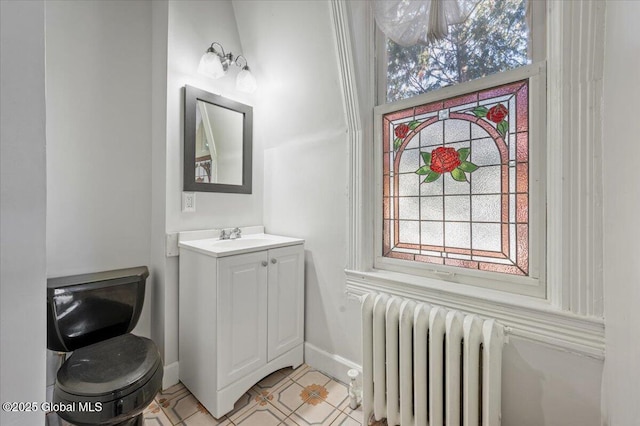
<point>224,235</point>
<point>237,232</point>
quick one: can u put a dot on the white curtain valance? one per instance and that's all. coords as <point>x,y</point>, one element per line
<point>409,22</point>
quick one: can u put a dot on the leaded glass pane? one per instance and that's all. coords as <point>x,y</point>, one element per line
<point>409,161</point>
<point>432,235</point>
<point>410,230</point>
<point>485,208</point>
<point>431,208</point>
<point>486,236</point>
<point>457,130</point>
<point>484,151</point>
<point>457,234</point>
<point>408,185</point>
<point>456,181</point>
<point>457,207</point>
<point>486,180</point>
<point>452,186</point>
<point>408,208</point>
<point>433,134</point>
<point>436,189</point>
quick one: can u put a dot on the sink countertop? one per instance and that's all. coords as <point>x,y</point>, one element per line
<point>248,243</point>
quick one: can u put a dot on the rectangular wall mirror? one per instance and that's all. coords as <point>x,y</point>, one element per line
<point>217,143</point>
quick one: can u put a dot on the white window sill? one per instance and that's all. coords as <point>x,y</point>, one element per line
<point>530,318</point>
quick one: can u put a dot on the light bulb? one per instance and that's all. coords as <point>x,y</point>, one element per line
<point>245,81</point>
<point>210,65</point>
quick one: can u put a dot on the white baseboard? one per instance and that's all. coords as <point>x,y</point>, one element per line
<point>331,364</point>
<point>171,375</point>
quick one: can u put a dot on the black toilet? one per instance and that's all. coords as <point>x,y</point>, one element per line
<point>112,375</point>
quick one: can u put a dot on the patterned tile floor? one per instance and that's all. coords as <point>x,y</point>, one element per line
<point>287,397</point>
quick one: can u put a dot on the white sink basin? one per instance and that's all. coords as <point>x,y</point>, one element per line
<point>246,244</point>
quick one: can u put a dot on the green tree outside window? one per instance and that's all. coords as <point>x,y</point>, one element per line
<point>493,39</point>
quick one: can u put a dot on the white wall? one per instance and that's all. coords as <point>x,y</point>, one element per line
<point>621,142</point>
<point>22,215</point>
<point>542,386</point>
<point>192,27</point>
<point>299,119</point>
<point>98,137</point>
<point>98,63</point>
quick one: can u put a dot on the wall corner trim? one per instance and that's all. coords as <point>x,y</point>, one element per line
<point>171,375</point>
<point>575,54</point>
<point>354,129</point>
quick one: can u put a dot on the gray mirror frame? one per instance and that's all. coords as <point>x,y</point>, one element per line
<point>191,97</point>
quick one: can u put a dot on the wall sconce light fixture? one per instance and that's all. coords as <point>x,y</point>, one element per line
<point>215,64</point>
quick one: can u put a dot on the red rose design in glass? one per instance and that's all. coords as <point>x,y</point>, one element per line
<point>401,131</point>
<point>444,160</point>
<point>497,113</point>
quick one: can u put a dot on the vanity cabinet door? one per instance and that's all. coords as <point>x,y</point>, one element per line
<point>286,299</point>
<point>242,313</point>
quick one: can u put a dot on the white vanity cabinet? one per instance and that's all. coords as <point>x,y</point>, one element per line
<point>241,316</point>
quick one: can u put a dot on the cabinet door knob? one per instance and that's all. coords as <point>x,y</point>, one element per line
<point>264,263</point>
<point>274,260</point>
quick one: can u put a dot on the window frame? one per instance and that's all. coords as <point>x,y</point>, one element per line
<point>570,318</point>
<point>535,283</point>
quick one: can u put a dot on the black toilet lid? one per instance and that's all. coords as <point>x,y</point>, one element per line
<point>115,366</point>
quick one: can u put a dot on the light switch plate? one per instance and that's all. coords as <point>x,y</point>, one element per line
<point>188,202</point>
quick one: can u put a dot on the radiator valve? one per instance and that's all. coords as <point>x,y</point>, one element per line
<point>355,392</point>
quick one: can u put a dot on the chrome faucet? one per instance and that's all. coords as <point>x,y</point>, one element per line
<point>235,233</point>
<point>230,235</point>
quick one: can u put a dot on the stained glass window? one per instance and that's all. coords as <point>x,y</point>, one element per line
<point>456,181</point>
